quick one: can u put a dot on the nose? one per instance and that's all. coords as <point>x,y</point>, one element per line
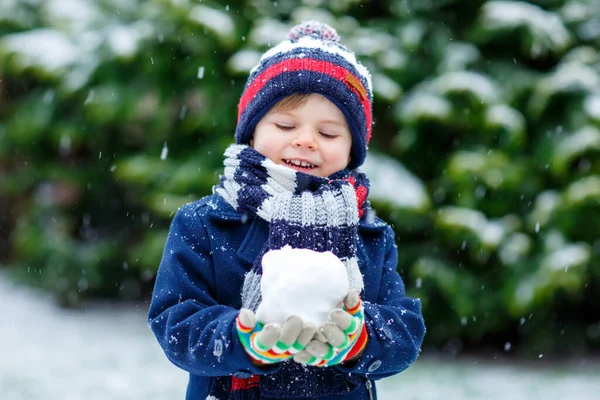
<point>305,138</point>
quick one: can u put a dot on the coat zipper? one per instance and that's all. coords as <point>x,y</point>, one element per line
<point>369,386</point>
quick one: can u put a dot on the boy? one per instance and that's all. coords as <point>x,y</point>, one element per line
<point>304,122</point>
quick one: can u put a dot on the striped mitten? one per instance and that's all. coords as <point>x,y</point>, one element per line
<point>340,339</point>
<point>271,343</point>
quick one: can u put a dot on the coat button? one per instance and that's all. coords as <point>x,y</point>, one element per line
<point>242,374</point>
<point>374,365</point>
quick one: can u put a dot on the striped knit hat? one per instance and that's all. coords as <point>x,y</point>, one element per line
<point>311,60</point>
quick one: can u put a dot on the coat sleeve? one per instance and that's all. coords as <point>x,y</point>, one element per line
<point>196,333</point>
<point>394,324</point>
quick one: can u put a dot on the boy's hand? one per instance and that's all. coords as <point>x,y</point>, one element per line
<point>267,344</point>
<point>340,339</point>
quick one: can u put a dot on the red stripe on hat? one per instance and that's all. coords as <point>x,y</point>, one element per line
<point>298,64</point>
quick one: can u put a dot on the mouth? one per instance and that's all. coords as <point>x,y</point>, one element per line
<point>300,165</point>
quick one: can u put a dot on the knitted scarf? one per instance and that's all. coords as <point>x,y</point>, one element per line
<point>303,211</point>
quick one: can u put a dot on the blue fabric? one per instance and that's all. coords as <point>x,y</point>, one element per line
<point>196,299</point>
<point>293,204</point>
<point>288,83</point>
<point>307,44</point>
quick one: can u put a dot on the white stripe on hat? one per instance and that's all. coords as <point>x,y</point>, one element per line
<point>310,42</point>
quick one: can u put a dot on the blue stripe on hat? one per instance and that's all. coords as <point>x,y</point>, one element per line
<point>311,53</point>
<point>304,81</point>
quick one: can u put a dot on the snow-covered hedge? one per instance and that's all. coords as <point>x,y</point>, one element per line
<point>485,153</point>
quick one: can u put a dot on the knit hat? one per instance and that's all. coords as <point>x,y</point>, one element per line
<point>311,60</point>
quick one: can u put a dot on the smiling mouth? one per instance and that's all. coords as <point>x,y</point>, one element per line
<point>299,164</point>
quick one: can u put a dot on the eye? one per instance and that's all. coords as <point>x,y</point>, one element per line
<point>328,136</point>
<point>284,127</point>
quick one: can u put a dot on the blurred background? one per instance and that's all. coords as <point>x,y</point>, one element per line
<point>485,159</point>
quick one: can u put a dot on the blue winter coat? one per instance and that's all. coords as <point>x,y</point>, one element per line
<point>198,294</point>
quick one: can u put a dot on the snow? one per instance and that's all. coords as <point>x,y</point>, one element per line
<point>487,166</point>
<point>503,115</point>
<point>575,11</point>
<point>489,232</point>
<point>266,31</point>
<point>11,11</point>
<point>43,47</point>
<point>392,59</point>
<point>200,74</point>
<point>589,30</point>
<point>574,145</point>
<point>368,42</point>
<point>467,81</point>
<point>106,351</point>
<point>384,173</point>
<point>546,29</point>
<point>91,353</point>
<point>546,203</point>
<point>386,88</point>
<point>574,255</point>
<point>217,21</point>
<point>586,189</point>
<point>243,61</point>
<point>77,15</point>
<point>563,267</point>
<point>420,105</point>
<point>55,53</point>
<point>458,55</point>
<point>77,30</point>
<point>412,34</point>
<point>570,77</point>
<point>301,282</point>
<point>124,39</point>
<point>592,106</point>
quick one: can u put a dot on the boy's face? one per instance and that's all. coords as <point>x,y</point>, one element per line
<point>313,138</point>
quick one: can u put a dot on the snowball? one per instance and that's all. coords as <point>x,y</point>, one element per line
<point>301,282</point>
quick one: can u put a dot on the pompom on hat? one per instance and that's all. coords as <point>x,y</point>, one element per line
<point>311,60</point>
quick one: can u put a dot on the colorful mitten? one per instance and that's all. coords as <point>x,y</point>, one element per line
<point>340,339</point>
<point>270,343</point>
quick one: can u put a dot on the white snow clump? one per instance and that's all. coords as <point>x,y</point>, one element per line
<point>301,282</point>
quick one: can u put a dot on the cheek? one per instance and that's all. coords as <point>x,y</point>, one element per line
<point>341,152</point>
<point>338,155</point>
<point>269,147</point>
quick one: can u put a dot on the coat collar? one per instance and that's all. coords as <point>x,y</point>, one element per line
<point>220,210</point>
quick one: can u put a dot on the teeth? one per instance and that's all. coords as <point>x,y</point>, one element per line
<point>299,163</point>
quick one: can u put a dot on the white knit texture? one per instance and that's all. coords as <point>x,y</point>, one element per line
<point>230,187</point>
<point>312,43</point>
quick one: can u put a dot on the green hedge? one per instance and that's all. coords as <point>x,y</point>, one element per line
<point>485,154</point>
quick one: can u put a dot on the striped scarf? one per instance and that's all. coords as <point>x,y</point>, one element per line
<point>303,211</point>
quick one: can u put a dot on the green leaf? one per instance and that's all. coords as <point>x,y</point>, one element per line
<point>562,269</point>
<point>463,224</point>
<point>218,21</point>
<point>582,192</point>
<point>570,78</point>
<point>569,147</point>
<point>392,183</point>
<point>478,88</point>
<point>506,123</point>
<point>544,31</point>
<point>495,169</point>
<point>453,283</point>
